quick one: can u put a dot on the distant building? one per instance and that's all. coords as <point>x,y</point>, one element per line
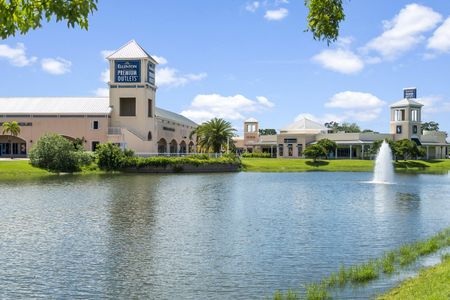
<point>128,117</point>
<point>405,123</point>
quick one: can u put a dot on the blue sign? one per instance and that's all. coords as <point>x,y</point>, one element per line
<point>410,93</point>
<point>151,73</point>
<point>127,71</point>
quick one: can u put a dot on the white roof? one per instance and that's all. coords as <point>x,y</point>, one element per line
<point>251,120</point>
<point>55,105</point>
<point>168,115</point>
<point>305,125</point>
<point>406,102</point>
<point>131,50</point>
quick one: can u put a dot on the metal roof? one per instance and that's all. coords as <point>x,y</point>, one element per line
<point>55,105</point>
<point>168,115</point>
<point>406,102</point>
<point>305,125</point>
<point>131,50</point>
<point>251,120</point>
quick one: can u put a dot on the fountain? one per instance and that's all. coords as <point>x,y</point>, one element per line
<point>384,170</point>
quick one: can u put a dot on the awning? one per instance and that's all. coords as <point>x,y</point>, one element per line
<point>417,141</point>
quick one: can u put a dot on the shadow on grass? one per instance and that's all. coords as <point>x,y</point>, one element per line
<point>317,163</point>
<point>411,165</point>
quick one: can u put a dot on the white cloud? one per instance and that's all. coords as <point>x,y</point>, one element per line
<point>404,31</point>
<point>106,53</point>
<point>340,60</point>
<point>160,60</point>
<point>56,66</point>
<point>104,77</point>
<point>440,41</point>
<point>276,14</point>
<point>434,104</point>
<point>252,6</point>
<point>206,107</point>
<point>16,56</point>
<point>171,77</point>
<point>354,100</point>
<point>102,92</point>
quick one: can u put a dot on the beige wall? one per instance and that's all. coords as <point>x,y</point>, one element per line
<point>302,139</point>
<point>170,130</point>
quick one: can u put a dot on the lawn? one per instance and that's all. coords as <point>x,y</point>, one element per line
<point>305,165</point>
<point>19,169</point>
<point>432,283</point>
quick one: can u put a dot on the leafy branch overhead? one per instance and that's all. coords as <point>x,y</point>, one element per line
<point>20,16</point>
<point>324,18</point>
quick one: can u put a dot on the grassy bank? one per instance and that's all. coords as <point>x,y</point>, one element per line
<point>388,264</point>
<point>306,165</point>
<point>431,283</point>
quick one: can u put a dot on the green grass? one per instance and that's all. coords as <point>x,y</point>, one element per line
<point>387,264</point>
<point>431,283</point>
<point>306,165</point>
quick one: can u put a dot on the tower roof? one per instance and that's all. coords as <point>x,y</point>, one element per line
<point>251,120</point>
<point>406,102</point>
<point>131,50</point>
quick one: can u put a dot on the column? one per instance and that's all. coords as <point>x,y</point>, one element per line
<point>336,152</point>
<point>351,152</point>
<point>362,151</point>
<point>428,152</point>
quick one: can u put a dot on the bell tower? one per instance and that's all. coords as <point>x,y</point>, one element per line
<point>406,117</point>
<point>132,95</point>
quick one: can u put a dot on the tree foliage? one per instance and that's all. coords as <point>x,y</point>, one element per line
<point>11,128</point>
<point>268,131</point>
<point>324,18</point>
<point>57,154</point>
<point>214,134</point>
<point>345,127</point>
<point>329,146</point>
<point>315,151</point>
<point>19,16</point>
<point>110,157</point>
<point>430,126</point>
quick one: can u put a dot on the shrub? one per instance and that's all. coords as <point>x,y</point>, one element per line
<point>256,155</point>
<point>57,154</point>
<point>110,157</point>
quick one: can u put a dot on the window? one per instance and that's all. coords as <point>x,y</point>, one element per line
<point>150,108</point>
<point>280,150</point>
<point>299,150</point>
<point>290,150</point>
<point>149,136</point>
<point>415,115</point>
<point>414,129</point>
<point>95,145</point>
<point>399,129</point>
<point>127,107</point>
<point>399,115</point>
<point>95,125</point>
<point>290,141</point>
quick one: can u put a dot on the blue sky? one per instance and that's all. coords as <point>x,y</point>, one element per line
<point>239,59</point>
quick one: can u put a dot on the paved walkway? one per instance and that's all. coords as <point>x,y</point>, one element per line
<point>9,159</point>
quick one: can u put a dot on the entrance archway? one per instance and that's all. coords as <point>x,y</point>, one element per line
<point>162,146</point>
<point>173,147</point>
<point>191,148</point>
<point>183,147</point>
<point>12,146</point>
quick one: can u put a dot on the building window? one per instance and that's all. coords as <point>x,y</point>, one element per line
<point>290,150</point>
<point>399,129</point>
<point>415,115</point>
<point>149,136</point>
<point>280,150</point>
<point>290,141</point>
<point>127,107</point>
<point>414,129</point>
<point>95,125</point>
<point>400,115</point>
<point>299,150</point>
<point>95,145</point>
<point>150,108</point>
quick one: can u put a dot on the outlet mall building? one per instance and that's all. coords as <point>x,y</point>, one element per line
<point>127,117</point>
<point>405,123</point>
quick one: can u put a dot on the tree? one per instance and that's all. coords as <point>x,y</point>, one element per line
<point>324,18</point>
<point>315,151</point>
<point>329,146</point>
<point>407,149</point>
<point>376,145</point>
<point>267,132</point>
<point>430,126</point>
<point>110,156</point>
<point>23,15</point>
<point>346,127</point>
<point>214,134</point>
<point>13,129</point>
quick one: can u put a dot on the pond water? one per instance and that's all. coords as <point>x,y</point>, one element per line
<point>212,236</point>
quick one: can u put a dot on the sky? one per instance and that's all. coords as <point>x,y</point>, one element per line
<point>237,59</point>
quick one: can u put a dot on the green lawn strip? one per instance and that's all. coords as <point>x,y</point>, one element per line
<point>363,273</point>
<point>431,283</point>
<point>305,165</point>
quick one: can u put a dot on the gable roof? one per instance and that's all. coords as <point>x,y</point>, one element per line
<point>305,125</point>
<point>131,50</point>
<point>406,102</point>
<point>168,115</point>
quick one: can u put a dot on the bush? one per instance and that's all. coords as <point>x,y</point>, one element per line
<point>256,155</point>
<point>57,154</point>
<point>110,157</point>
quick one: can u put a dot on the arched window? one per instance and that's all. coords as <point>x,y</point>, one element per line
<point>149,136</point>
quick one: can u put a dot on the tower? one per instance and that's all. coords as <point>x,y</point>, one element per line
<point>132,92</point>
<point>406,117</point>
<point>251,132</point>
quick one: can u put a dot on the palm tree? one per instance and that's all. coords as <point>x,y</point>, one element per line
<point>13,129</point>
<point>214,134</point>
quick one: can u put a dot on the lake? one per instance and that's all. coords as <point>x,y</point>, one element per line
<point>208,236</point>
